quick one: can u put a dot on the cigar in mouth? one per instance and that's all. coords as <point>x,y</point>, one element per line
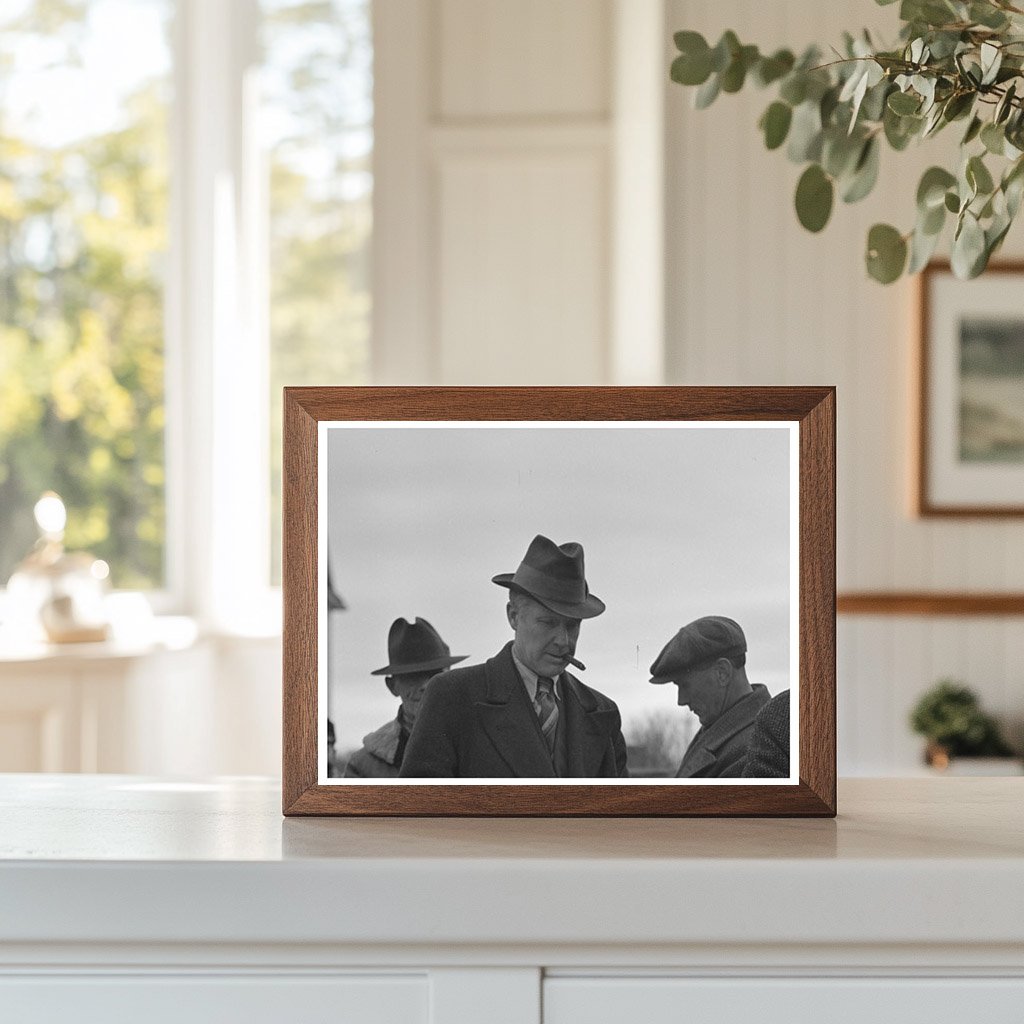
<point>576,663</point>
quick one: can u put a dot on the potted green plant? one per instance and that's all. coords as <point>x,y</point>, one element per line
<point>956,61</point>
<point>949,716</point>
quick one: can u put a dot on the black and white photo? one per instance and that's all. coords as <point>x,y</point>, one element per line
<point>523,590</point>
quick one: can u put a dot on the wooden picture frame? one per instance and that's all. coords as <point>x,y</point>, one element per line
<point>688,444</point>
<point>970,376</point>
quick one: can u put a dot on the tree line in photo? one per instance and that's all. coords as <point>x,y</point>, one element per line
<point>523,714</point>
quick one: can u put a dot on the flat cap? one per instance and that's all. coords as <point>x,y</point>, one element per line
<point>698,643</point>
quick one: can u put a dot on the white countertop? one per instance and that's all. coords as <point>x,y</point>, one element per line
<point>123,859</point>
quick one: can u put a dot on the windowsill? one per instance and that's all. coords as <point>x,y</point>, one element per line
<point>160,633</point>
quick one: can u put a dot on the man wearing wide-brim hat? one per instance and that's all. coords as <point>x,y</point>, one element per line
<point>416,653</point>
<point>706,660</point>
<point>521,714</point>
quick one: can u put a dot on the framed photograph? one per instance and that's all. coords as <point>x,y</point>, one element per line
<point>559,601</point>
<point>971,393</point>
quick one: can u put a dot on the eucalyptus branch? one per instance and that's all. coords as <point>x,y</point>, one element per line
<point>833,117</point>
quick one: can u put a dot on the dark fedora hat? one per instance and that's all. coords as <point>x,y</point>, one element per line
<point>552,574</point>
<point>416,647</point>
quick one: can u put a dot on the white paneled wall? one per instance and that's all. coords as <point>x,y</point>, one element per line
<point>506,149</point>
<point>754,299</point>
<point>506,317</point>
<point>521,155</point>
<point>518,235</point>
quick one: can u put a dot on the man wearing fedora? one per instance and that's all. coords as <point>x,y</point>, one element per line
<point>706,660</point>
<point>416,653</point>
<point>521,714</point>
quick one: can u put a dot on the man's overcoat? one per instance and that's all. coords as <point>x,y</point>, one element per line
<point>720,749</point>
<point>478,722</point>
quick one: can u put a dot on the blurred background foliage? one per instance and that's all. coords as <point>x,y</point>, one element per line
<point>84,213</point>
<point>83,231</point>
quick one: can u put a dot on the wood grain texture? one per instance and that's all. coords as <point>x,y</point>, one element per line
<point>299,594</point>
<point>925,603</point>
<point>817,599</point>
<point>813,408</point>
<point>924,505</point>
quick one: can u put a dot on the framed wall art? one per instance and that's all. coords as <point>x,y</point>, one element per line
<point>970,450</point>
<point>559,601</point>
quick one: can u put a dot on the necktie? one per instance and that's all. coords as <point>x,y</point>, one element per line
<point>547,709</point>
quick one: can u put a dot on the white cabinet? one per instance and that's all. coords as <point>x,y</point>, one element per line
<point>197,902</point>
<point>824,1000</point>
<point>245,999</point>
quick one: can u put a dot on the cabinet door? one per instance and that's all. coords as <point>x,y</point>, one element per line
<point>205,999</point>
<point>783,1000</point>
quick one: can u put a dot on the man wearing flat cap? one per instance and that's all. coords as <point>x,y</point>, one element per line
<point>706,660</point>
<point>416,653</point>
<point>521,714</point>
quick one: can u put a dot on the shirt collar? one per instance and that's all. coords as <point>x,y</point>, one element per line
<point>529,678</point>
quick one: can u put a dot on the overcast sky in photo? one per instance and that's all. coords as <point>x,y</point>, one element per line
<point>676,522</point>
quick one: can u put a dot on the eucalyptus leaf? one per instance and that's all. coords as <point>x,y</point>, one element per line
<point>993,138</point>
<point>687,71</point>
<point>771,69</point>
<point>725,51</point>
<point>968,247</point>
<point>865,173</point>
<point>994,236</point>
<point>934,121</point>
<point>966,187</point>
<point>932,221</point>
<point>814,195</point>
<point>952,202</point>
<point>775,124</point>
<point>707,93</point>
<point>828,105</point>
<point>735,74</point>
<point>873,106</point>
<point>922,248</point>
<point>931,190</point>
<point>805,133</point>
<point>794,88</point>
<point>858,77</point>
<point>840,152</point>
<point>1004,106</point>
<point>991,60</point>
<point>900,130</point>
<point>931,12</point>
<point>689,42</point>
<point>1013,191</point>
<point>973,129</point>
<point>944,44</point>
<point>987,15</point>
<point>1013,187</point>
<point>925,88</point>
<point>693,65</point>
<point>978,176</point>
<point>904,103</point>
<point>886,253</point>
<point>958,105</point>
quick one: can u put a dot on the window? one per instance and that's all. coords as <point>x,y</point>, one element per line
<point>185,221</point>
<point>83,236</point>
